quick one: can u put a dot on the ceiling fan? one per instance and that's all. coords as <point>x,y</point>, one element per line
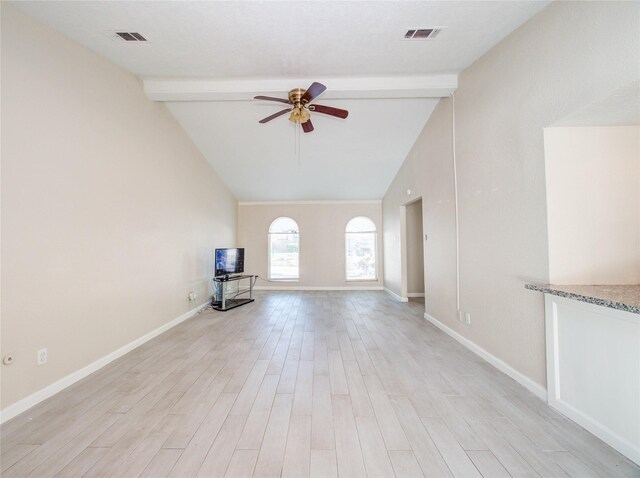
<point>300,98</point>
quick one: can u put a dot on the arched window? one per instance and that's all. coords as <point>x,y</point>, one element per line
<point>284,249</point>
<point>360,248</point>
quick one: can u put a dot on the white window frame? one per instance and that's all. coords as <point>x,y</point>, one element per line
<point>269,237</point>
<point>374,232</point>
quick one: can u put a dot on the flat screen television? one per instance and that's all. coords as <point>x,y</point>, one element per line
<point>229,261</point>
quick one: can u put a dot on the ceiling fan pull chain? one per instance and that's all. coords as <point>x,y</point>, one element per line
<point>295,140</point>
<point>297,127</point>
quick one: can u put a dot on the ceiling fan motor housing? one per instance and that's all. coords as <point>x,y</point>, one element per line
<point>295,96</point>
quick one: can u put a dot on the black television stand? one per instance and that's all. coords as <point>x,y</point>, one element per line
<point>224,299</point>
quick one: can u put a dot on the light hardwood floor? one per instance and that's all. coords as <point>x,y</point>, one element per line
<point>302,384</point>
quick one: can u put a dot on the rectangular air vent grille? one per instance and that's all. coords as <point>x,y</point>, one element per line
<point>422,34</point>
<point>131,36</point>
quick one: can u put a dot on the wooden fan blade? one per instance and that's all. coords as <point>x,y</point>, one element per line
<point>312,92</point>
<point>329,110</point>
<point>271,98</point>
<point>307,126</point>
<point>275,115</point>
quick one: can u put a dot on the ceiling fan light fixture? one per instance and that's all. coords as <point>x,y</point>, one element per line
<point>295,115</point>
<point>299,115</point>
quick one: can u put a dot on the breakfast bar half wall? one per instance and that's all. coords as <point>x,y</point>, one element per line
<point>593,359</point>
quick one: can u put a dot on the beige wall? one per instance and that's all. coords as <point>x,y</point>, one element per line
<point>546,69</point>
<point>593,203</point>
<point>322,240</point>
<point>428,173</point>
<point>109,213</point>
<point>415,242</point>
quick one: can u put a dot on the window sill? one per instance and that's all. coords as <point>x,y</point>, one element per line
<point>361,280</point>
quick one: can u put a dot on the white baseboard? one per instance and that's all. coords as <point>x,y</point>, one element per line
<point>415,294</point>
<point>627,448</point>
<point>26,403</point>
<point>522,379</point>
<point>286,287</point>
<point>396,296</point>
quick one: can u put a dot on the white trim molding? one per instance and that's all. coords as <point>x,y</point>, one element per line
<point>272,287</point>
<point>291,203</point>
<point>522,379</point>
<point>415,294</point>
<point>399,298</point>
<point>427,86</point>
<point>26,403</point>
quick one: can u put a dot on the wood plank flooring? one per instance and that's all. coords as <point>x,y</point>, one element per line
<point>298,384</point>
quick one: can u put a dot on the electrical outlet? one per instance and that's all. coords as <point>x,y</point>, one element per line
<point>41,357</point>
<point>467,318</point>
<point>192,296</point>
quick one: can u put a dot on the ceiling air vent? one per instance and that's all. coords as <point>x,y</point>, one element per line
<point>131,36</point>
<point>422,34</point>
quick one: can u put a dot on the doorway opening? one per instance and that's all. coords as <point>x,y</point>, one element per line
<point>413,270</point>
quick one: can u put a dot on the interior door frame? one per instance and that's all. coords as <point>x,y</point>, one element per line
<point>404,272</point>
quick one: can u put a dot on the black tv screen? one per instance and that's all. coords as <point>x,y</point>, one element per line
<point>229,261</point>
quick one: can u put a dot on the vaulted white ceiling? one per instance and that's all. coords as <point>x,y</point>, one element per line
<point>357,48</point>
<point>352,159</point>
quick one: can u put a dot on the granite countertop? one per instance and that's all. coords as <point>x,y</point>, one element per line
<point>622,297</point>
